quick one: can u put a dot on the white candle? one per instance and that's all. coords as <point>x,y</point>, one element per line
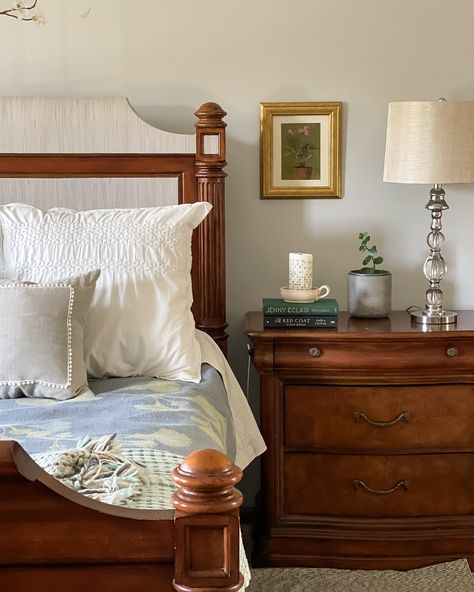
<point>300,271</point>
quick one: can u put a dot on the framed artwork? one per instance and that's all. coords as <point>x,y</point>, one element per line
<point>300,150</point>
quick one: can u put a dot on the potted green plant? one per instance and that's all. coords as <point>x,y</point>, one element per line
<point>369,290</point>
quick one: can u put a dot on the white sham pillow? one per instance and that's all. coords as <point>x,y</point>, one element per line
<point>140,321</point>
<point>42,337</point>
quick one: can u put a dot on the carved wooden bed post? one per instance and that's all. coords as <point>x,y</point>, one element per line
<point>207,523</point>
<point>210,162</point>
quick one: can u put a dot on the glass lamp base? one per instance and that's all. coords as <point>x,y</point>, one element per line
<point>445,318</point>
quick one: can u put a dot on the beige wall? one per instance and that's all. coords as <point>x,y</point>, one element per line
<point>170,56</point>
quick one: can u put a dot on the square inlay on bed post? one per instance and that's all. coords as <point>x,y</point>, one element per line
<point>207,523</point>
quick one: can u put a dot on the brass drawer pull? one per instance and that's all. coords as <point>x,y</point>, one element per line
<point>452,352</point>
<point>314,352</point>
<point>358,484</point>
<point>360,415</point>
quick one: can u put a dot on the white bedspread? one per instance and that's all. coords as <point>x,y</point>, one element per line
<point>249,441</point>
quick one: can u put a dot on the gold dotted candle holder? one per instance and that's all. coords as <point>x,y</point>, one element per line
<point>300,271</point>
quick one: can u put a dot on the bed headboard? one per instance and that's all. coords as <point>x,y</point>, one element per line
<point>86,153</point>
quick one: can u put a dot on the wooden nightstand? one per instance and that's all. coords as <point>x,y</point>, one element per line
<point>370,435</point>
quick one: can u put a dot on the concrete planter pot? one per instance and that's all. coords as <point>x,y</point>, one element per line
<point>369,295</point>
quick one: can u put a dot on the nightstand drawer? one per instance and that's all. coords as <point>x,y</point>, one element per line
<point>382,417</point>
<point>376,486</point>
<point>372,355</point>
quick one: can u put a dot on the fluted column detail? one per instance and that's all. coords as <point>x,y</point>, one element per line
<point>210,162</point>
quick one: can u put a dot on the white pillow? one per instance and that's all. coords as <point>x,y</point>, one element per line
<point>42,337</point>
<point>140,321</point>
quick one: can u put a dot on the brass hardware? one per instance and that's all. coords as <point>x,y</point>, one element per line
<point>360,415</point>
<point>358,484</point>
<point>452,352</point>
<point>315,352</point>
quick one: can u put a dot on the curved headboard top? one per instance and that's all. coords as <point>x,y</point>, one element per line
<point>100,124</point>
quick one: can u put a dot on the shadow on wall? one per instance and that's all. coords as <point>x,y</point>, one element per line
<point>165,114</point>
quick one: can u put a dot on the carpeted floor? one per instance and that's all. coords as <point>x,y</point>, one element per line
<point>454,576</point>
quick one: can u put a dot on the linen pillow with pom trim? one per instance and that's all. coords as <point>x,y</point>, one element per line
<point>42,336</point>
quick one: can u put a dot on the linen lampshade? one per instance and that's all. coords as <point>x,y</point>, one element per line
<point>430,142</point>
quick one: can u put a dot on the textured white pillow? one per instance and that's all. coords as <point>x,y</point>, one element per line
<point>42,337</point>
<point>140,320</point>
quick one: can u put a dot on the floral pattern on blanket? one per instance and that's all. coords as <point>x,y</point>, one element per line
<point>143,412</point>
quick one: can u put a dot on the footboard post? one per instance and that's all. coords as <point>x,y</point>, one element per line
<point>207,524</point>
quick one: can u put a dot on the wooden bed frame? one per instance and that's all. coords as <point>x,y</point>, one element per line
<point>54,539</point>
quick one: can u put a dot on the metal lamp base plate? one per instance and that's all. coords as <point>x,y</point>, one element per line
<point>421,316</point>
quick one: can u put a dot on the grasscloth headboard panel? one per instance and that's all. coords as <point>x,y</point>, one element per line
<point>96,152</point>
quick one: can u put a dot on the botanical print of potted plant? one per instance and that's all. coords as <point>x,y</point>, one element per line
<point>300,151</point>
<point>369,290</point>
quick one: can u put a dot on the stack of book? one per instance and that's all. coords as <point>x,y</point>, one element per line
<point>279,313</point>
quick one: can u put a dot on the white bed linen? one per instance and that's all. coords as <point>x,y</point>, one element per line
<point>249,441</point>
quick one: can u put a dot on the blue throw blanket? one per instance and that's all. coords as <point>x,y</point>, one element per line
<point>144,413</point>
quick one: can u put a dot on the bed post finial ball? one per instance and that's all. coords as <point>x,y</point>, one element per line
<point>206,479</point>
<point>209,462</point>
<point>209,113</point>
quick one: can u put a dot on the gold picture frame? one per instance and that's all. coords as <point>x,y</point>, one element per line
<point>300,150</point>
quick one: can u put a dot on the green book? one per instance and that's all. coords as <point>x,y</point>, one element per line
<point>278,306</point>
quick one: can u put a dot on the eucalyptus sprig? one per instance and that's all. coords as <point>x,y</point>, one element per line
<point>372,256</point>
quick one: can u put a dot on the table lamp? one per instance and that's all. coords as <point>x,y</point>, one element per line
<point>431,142</point>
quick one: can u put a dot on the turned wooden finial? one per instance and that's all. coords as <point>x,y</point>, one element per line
<point>210,125</point>
<point>210,114</point>
<point>206,479</point>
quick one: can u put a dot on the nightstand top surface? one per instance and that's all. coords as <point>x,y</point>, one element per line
<point>398,322</point>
